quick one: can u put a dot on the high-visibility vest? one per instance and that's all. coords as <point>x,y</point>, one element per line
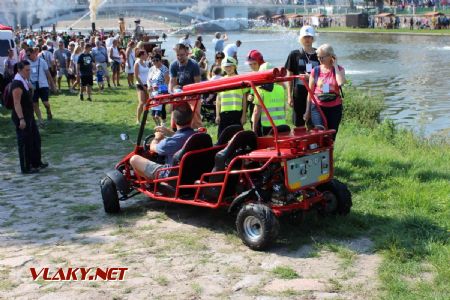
<point>274,102</point>
<point>231,100</point>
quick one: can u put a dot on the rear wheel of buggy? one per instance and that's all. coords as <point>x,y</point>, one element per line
<point>338,199</point>
<point>109,195</point>
<point>257,226</point>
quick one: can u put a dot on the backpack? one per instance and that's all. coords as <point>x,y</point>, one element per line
<point>7,99</point>
<point>316,77</point>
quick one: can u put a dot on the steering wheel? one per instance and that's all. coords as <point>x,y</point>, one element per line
<point>147,141</point>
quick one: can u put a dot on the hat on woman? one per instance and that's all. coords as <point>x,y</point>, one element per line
<point>229,61</point>
<point>307,31</point>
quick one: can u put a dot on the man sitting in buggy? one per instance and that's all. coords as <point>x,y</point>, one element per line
<point>166,142</point>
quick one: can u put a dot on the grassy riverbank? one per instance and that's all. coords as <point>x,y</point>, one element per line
<point>400,186</point>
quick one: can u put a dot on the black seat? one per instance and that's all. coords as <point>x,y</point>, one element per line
<point>228,133</point>
<point>196,141</point>
<point>243,142</point>
<point>191,166</point>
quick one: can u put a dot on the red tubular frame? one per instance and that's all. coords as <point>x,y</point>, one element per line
<point>192,93</point>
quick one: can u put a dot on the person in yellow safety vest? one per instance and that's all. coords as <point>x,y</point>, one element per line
<point>274,97</point>
<point>231,106</point>
<point>254,60</point>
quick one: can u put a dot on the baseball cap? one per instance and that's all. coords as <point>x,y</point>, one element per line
<point>229,61</point>
<point>255,55</point>
<point>307,31</point>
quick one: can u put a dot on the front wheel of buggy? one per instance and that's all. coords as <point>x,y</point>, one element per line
<point>257,226</point>
<point>109,195</point>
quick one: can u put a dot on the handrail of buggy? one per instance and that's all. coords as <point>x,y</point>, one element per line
<point>193,91</point>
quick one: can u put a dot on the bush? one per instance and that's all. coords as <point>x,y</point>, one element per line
<point>361,107</point>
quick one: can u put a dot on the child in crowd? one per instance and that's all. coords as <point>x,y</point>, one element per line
<point>157,110</point>
<point>100,73</point>
<point>231,106</point>
<point>217,73</point>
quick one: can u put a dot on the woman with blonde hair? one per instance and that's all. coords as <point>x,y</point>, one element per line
<point>73,67</point>
<point>326,81</point>
<point>129,63</point>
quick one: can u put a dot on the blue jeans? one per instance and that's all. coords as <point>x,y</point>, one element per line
<point>332,114</point>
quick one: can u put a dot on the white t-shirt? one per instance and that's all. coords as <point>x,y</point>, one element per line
<point>230,50</point>
<point>186,42</point>
<point>109,42</point>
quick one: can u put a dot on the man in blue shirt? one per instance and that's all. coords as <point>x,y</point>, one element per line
<point>100,55</point>
<point>219,41</point>
<point>165,143</point>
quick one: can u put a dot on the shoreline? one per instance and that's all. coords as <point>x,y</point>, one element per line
<point>437,32</point>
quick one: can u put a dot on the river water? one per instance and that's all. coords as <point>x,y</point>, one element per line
<point>412,72</point>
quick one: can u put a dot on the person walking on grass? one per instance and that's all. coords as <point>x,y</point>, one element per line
<point>41,79</point>
<point>73,67</point>
<point>28,137</point>
<point>62,59</point>
<point>85,70</point>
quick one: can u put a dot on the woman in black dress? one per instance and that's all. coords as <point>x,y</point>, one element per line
<point>28,137</point>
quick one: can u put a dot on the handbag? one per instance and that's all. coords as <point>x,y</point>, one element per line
<point>327,97</point>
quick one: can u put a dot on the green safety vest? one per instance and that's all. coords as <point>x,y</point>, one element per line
<point>274,102</point>
<point>231,100</point>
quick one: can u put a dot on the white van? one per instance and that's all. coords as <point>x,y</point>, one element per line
<point>7,41</point>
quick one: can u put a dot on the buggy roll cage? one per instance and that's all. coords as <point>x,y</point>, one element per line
<point>192,92</point>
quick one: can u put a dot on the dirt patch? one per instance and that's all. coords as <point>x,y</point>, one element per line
<point>56,219</point>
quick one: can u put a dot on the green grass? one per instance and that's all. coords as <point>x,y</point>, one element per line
<point>284,272</point>
<point>400,185</point>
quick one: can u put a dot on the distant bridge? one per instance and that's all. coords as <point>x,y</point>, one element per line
<point>15,11</point>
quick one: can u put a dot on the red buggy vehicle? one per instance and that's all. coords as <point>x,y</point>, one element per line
<point>259,178</point>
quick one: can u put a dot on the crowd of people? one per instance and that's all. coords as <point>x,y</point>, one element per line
<point>44,60</point>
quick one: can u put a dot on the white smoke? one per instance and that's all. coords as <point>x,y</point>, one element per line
<point>93,8</point>
<point>15,10</point>
<point>199,8</point>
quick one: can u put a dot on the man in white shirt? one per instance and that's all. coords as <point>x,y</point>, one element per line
<point>231,50</point>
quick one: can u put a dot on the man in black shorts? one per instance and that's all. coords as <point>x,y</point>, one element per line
<point>85,70</point>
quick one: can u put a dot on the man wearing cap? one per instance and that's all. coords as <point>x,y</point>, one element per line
<point>231,106</point>
<point>301,61</point>
<point>254,61</point>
